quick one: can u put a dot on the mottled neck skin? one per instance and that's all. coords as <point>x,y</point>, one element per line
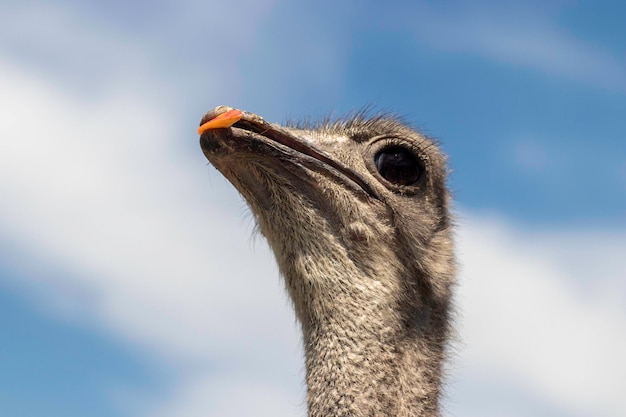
<point>371,288</point>
<point>350,373</point>
<point>364,359</point>
<point>374,327</point>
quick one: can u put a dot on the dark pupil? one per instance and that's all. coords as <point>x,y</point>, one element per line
<point>398,166</point>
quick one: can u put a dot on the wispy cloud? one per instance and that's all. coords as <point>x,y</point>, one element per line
<point>531,156</point>
<point>545,311</point>
<point>96,192</point>
<point>521,37</point>
<point>234,394</point>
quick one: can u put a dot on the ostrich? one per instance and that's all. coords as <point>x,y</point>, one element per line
<point>356,213</point>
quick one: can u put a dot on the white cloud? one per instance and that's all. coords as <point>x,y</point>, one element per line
<point>98,187</point>
<point>522,37</point>
<point>233,394</point>
<point>545,311</point>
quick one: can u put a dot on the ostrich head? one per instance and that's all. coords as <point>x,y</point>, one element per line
<point>356,213</point>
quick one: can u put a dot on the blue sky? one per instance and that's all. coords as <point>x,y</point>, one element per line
<point>129,284</point>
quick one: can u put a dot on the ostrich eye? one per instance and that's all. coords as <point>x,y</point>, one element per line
<point>398,166</point>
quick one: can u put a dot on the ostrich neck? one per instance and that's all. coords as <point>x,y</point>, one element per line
<point>374,327</point>
<point>364,359</point>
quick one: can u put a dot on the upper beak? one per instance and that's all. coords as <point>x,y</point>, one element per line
<point>221,121</point>
<point>253,127</point>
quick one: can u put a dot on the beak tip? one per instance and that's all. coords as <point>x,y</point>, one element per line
<point>223,120</point>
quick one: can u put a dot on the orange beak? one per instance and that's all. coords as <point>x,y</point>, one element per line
<point>222,121</point>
